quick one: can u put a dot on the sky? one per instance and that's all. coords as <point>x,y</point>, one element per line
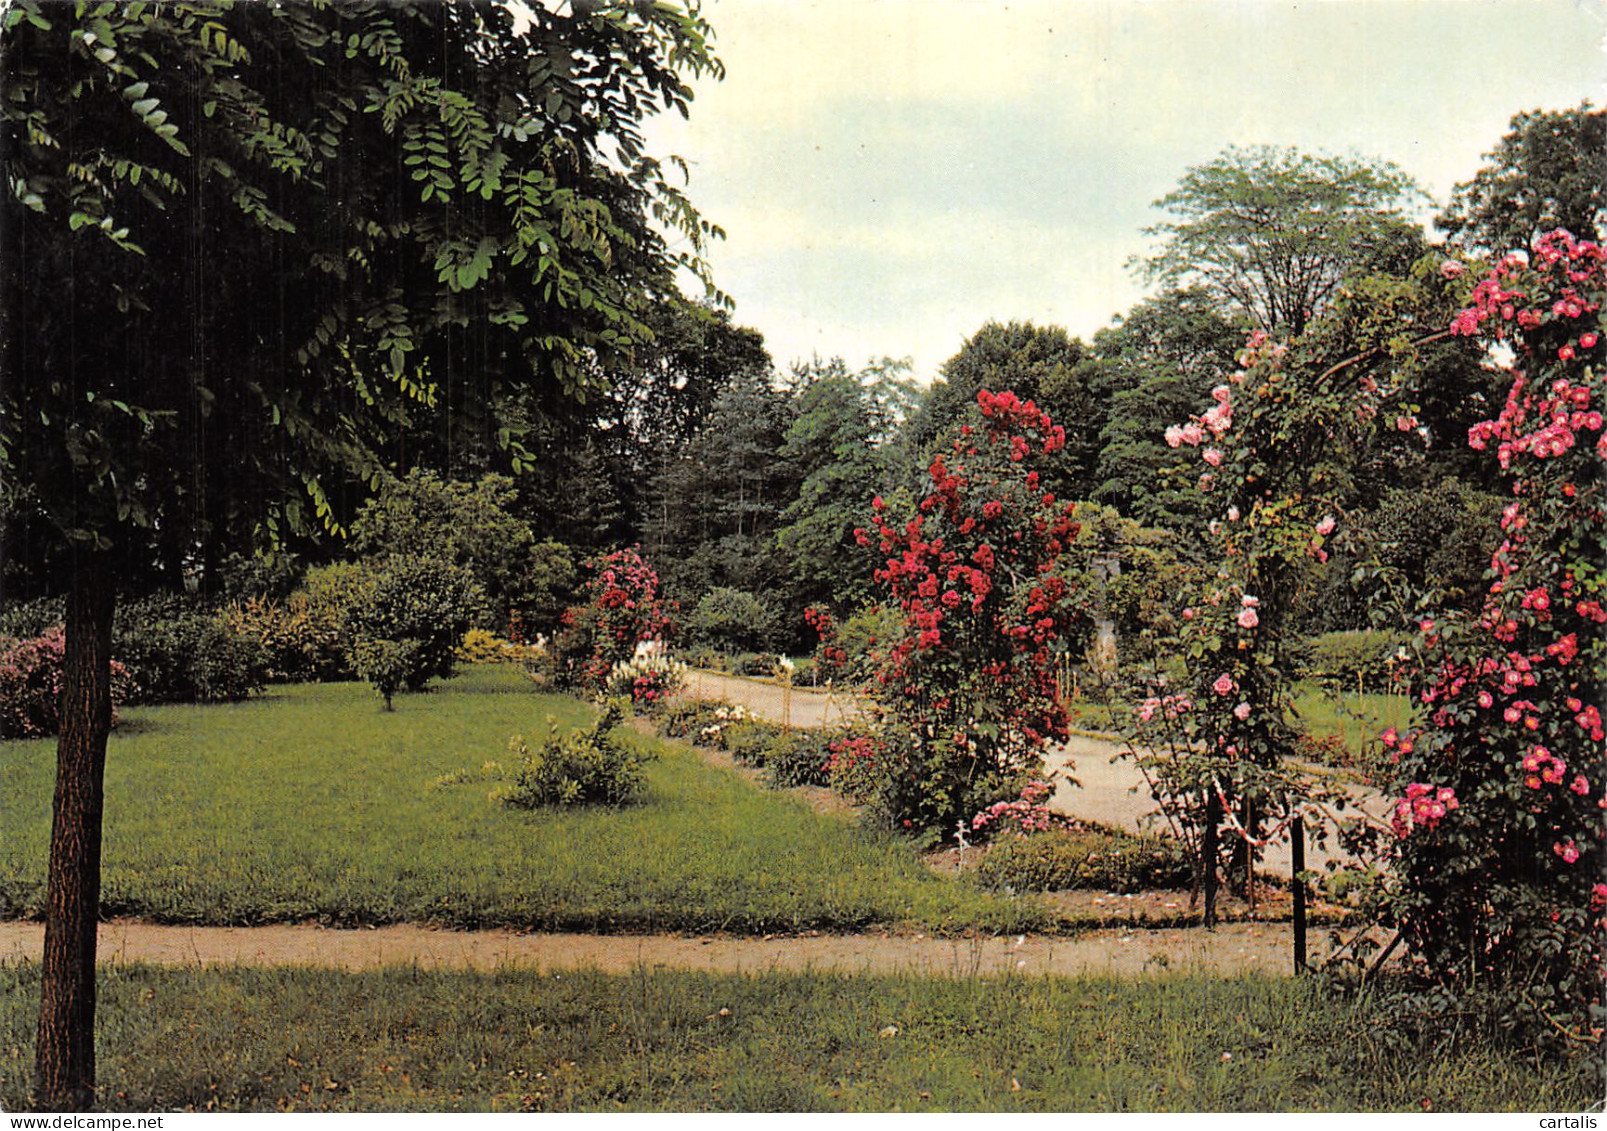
<point>892,174</point>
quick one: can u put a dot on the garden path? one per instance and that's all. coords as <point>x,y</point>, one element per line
<point>1230,948</point>
<point>1110,792</point>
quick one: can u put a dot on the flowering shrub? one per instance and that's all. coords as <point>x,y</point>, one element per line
<point>647,678</point>
<point>31,674</point>
<point>1028,813</point>
<point>831,658</point>
<point>620,609</point>
<point>968,686</point>
<point>1499,862</point>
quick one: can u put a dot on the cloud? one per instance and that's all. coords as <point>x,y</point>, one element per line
<point>893,173</point>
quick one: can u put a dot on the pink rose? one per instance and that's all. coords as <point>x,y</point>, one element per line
<point>1248,618</point>
<point>1224,684</point>
<point>1326,526</point>
<point>1212,457</point>
<point>1242,712</point>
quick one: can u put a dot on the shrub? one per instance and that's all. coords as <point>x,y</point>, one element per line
<point>177,651</point>
<point>749,740</point>
<point>31,680</point>
<point>1354,661</point>
<point>31,618</point>
<point>480,646</point>
<point>387,664</point>
<point>730,620</point>
<point>760,665</point>
<point>800,757</point>
<point>1087,859</point>
<point>300,639</point>
<point>425,604</point>
<point>578,768</point>
<point>700,656</point>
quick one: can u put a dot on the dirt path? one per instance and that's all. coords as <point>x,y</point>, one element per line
<point>1231,948</point>
<point>799,706</point>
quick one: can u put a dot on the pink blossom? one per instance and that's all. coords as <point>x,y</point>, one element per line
<point>1248,618</point>
<point>1212,456</point>
<point>1242,712</point>
<point>1233,514</point>
<point>1224,684</point>
<point>1568,850</point>
<point>1326,526</point>
<point>1452,268</point>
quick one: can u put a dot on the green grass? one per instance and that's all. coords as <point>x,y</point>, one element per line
<point>405,1039</point>
<point>313,803</point>
<point>1355,718</point>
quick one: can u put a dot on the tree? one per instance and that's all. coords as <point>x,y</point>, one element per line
<point>467,524</point>
<point>1549,172</point>
<point>1154,366</point>
<point>839,448</point>
<point>243,244</point>
<point>1273,232</point>
<point>1020,357</point>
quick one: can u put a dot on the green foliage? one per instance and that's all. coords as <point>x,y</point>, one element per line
<point>1085,859</point>
<point>386,664</point>
<point>729,620</point>
<point>1156,365</point>
<point>1358,660</point>
<point>1548,172</point>
<point>301,638</point>
<point>421,607</point>
<point>755,665</point>
<point>180,651</point>
<point>30,618</point>
<point>550,577</point>
<point>799,757</point>
<point>326,155</point>
<point>481,647</point>
<point>467,524</point>
<point>1274,232</point>
<point>841,447</point>
<point>590,767</point>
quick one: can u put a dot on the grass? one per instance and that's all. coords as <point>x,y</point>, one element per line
<point>1355,718</point>
<point>406,1039</point>
<point>314,803</point>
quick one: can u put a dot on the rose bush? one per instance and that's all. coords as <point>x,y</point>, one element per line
<point>977,575</point>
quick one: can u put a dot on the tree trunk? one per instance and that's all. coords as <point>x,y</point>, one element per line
<point>64,1065</point>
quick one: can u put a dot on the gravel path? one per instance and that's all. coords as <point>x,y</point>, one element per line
<point>1230,948</point>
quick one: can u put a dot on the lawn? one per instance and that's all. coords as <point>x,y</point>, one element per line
<point>406,1039</point>
<point>312,802</point>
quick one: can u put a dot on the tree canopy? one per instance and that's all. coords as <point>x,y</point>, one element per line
<point>1272,232</point>
<point>244,246</point>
